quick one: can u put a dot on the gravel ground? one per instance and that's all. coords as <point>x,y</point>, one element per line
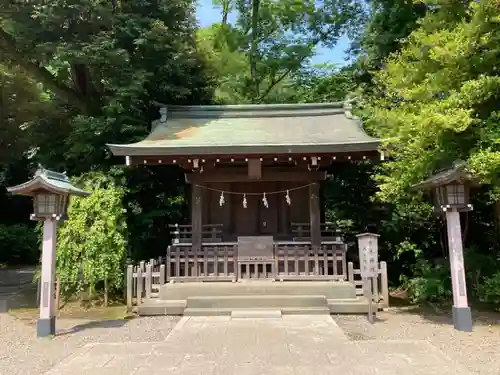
<point>21,353</point>
<point>479,351</point>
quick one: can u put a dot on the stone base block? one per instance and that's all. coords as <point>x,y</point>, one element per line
<point>46,327</point>
<point>462,319</point>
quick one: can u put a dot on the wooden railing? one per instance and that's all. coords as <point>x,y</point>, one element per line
<point>299,261</point>
<point>219,262</point>
<point>213,262</point>
<point>302,232</point>
<point>182,233</point>
<point>144,280</point>
<point>380,287</point>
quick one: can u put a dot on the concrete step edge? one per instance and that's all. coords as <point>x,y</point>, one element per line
<point>266,296</point>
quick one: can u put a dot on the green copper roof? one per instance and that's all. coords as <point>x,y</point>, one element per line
<point>456,174</point>
<point>252,129</point>
<point>57,183</point>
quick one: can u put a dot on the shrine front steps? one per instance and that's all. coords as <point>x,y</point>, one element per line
<point>221,298</point>
<point>217,306</point>
<point>329,289</point>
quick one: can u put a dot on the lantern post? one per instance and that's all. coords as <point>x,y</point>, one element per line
<point>450,189</point>
<point>50,191</point>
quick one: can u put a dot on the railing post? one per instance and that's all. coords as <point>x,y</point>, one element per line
<point>344,263</point>
<point>149,280</point>
<point>350,272</point>
<point>168,263</point>
<point>130,282</point>
<point>139,286</point>
<point>384,284</point>
<point>162,274</point>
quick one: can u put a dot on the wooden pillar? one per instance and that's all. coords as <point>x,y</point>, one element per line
<point>47,322</point>
<point>196,216</point>
<point>315,215</point>
<point>462,318</point>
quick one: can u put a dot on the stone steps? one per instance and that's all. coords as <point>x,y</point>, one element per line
<point>178,307</point>
<point>256,302</point>
<point>329,289</point>
<point>211,298</point>
<point>257,312</point>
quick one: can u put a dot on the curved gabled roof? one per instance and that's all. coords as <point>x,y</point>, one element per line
<point>57,183</point>
<point>243,129</point>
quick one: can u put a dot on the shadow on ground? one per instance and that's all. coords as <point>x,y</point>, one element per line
<point>92,325</point>
<point>441,314</point>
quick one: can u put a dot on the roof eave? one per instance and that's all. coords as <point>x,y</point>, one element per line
<point>138,150</point>
<point>40,183</point>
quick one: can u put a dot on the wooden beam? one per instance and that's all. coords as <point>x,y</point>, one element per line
<point>242,176</point>
<point>315,215</point>
<point>196,216</point>
<point>254,169</point>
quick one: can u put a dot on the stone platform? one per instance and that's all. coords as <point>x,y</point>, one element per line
<point>291,345</point>
<point>223,298</point>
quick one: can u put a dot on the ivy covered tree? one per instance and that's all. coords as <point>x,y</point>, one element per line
<point>92,243</point>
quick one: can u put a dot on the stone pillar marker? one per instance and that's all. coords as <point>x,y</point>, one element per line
<point>450,189</point>
<point>50,191</point>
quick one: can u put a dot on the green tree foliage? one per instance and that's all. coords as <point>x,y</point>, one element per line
<point>441,94</point>
<point>271,41</point>
<point>102,62</point>
<point>92,243</point>
<point>98,65</point>
<point>438,103</point>
<point>389,23</point>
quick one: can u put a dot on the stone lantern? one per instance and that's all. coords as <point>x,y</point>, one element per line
<point>50,191</point>
<point>450,189</point>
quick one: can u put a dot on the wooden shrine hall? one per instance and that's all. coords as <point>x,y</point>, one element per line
<point>255,175</point>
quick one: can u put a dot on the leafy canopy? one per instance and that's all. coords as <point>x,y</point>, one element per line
<point>441,94</point>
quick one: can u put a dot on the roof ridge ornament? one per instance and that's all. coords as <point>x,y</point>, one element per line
<point>348,102</point>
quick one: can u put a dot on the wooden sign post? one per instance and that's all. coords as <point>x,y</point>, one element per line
<point>368,258</point>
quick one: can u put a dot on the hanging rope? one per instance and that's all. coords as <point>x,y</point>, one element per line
<point>286,191</point>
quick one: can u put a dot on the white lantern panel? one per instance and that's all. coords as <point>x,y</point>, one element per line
<point>46,203</point>
<point>455,194</point>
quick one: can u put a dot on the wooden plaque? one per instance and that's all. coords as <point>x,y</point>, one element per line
<point>255,248</point>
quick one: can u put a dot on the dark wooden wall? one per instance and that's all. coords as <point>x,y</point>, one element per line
<point>256,219</point>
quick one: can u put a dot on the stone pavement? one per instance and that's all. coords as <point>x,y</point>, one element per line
<point>292,345</point>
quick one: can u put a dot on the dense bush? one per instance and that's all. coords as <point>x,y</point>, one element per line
<point>92,242</point>
<point>18,244</point>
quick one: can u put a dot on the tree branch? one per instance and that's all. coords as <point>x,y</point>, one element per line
<point>42,75</point>
<point>275,80</point>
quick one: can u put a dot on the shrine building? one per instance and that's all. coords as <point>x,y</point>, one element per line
<point>255,174</point>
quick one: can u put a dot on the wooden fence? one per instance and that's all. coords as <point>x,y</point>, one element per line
<point>218,262</point>
<point>144,280</point>
<point>182,233</point>
<point>380,287</point>
<point>300,261</point>
<point>213,262</point>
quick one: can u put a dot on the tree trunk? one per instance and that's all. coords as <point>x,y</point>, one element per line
<point>106,292</point>
<point>225,11</point>
<point>254,47</point>
<point>496,211</point>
